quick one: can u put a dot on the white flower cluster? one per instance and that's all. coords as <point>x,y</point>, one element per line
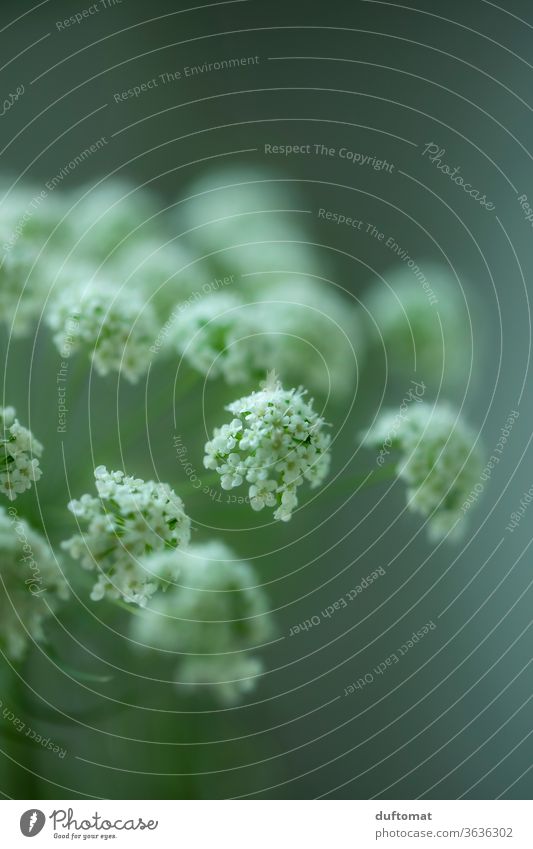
<point>216,607</point>
<point>422,323</point>
<point>31,586</point>
<point>23,289</point>
<point>230,676</point>
<point>28,249</point>
<point>115,326</point>
<point>94,226</point>
<point>130,519</point>
<point>221,336</point>
<point>246,218</point>
<point>114,282</point>
<point>107,216</point>
<point>165,272</point>
<point>19,463</point>
<point>29,218</point>
<point>440,462</point>
<point>275,441</point>
<point>245,221</point>
<point>314,331</point>
<point>298,326</point>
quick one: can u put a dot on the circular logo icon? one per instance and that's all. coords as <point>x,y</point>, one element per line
<point>32,822</point>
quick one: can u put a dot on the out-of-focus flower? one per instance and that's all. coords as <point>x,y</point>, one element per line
<point>423,323</point>
<point>214,615</point>
<point>230,676</point>
<point>439,461</point>
<point>33,239</point>
<point>106,216</point>
<point>23,290</point>
<point>19,455</point>
<point>166,273</point>
<point>250,219</point>
<point>315,332</point>
<point>116,326</point>
<point>296,326</point>
<point>275,442</point>
<point>29,215</point>
<point>130,519</point>
<point>31,584</point>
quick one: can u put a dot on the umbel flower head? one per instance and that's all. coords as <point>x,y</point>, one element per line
<point>219,335</point>
<point>19,453</point>
<point>115,326</point>
<point>130,519</point>
<point>439,461</point>
<point>214,616</point>
<point>31,584</point>
<point>274,442</point>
